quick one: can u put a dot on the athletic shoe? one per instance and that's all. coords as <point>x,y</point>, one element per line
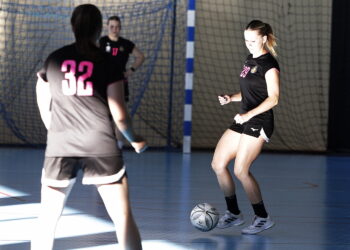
<point>229,219</point>
<point>258,225</point>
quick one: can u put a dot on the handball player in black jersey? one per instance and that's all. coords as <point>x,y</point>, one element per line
<point>80,94</point>
<point>120,49</point>
<point>251,128</point>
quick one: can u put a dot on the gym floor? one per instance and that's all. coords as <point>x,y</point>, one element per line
<point>307,195</point>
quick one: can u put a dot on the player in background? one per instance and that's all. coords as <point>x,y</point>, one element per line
<point>251,128</point>
<point>120,50</point>
<point>79,92</point>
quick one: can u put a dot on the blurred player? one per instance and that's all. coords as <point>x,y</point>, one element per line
<point>120,50</point>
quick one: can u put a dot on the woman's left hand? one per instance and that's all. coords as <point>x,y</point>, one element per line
<point>242,118</point>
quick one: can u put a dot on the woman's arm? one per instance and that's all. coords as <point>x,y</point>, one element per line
<point>115,93</point>
<point>225,99</point>
<point>43,97</point>
<point>139,59</point>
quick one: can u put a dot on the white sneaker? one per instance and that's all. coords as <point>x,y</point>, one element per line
<point>229,219</point>
<point>258,225</point>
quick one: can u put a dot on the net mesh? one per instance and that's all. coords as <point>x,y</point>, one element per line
<point>31,29</point>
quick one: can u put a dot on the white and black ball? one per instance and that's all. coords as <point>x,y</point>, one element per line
<point>204,217</point>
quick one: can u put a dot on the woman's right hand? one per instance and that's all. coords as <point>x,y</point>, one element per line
<point>139,144</point>
<point>224,99</point>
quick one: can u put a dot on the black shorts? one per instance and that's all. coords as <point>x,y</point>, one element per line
<point>61,171</point>
<point>255,128</point>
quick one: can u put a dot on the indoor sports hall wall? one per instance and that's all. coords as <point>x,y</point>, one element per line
<point>31,29</point>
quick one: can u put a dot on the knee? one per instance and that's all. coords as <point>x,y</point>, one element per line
<point>241,174</point>
<point>218,167</point>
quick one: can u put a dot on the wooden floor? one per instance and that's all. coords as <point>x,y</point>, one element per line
<point>308,196</point>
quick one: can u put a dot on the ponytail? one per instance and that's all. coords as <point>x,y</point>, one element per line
<point>86,23</point>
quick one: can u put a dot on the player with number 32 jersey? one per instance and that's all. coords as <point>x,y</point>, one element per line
<point>80,113</point>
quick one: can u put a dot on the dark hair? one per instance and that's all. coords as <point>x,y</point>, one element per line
<point>264,29</point>
<point>114,18</point>
<point>86,23</point>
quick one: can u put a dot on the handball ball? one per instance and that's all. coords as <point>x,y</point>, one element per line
<point>204,217</point>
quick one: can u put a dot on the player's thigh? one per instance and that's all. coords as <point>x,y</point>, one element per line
<point>226,149</point>
<point>115,196</point>
<point>248,150</point>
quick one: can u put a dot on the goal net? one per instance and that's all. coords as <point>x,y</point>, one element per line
<point>30,30</point>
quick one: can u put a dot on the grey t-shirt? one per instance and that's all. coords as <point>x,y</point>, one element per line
<point>81,122</point>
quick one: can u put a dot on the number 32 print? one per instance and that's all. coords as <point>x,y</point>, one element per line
<point>73,86</point>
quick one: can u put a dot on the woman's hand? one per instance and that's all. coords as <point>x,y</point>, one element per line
<point>224,99</point>
<point>140,145</point>
<point>242,118</point>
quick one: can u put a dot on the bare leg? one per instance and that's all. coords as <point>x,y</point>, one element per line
<point>249,149</point>
<point>52,203</point>
<point>116,199</point>
<point>225,151</point>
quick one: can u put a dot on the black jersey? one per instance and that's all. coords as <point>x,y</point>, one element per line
<point>119,50</point>
<point>81,123</point>
<point>253,84</point>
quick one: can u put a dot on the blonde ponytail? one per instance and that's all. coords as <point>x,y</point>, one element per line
<point>271,40</point>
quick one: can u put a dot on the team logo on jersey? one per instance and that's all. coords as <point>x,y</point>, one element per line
<point>115,51</point>
<point>244,71</point>
<point>254,69</point>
